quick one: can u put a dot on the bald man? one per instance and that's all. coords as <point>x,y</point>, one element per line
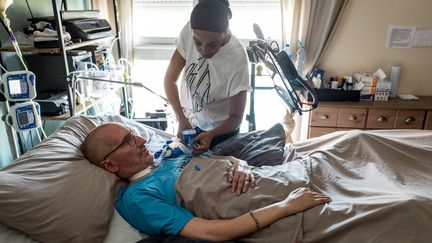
<point>149,201</point>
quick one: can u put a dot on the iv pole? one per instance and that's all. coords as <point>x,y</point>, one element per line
<point>12,139</point>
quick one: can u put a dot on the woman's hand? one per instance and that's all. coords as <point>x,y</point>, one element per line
<point>239,175</point>
<point>183,125</point>
<point>202,142</point>
<point>303,198</point>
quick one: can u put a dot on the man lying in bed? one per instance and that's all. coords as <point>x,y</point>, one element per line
<point>149,202</point>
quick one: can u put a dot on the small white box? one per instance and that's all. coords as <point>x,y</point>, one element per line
<point>381,96</point>
<point>368,90</point>
<point>383,85</point>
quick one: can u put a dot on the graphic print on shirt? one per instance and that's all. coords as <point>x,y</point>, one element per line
<point>182,164</point>
<point>198,82</point>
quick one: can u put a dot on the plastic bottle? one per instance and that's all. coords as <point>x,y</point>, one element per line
<point>288,51</point>
<point>318,81</point>
<point>301,59</point>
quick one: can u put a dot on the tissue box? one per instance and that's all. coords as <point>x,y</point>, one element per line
<point>366,78</point>
<point>368,90</point>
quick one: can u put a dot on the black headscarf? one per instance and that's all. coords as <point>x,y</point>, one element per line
<point>211,15</point>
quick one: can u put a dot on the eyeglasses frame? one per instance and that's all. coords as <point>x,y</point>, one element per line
<point>128,139</point>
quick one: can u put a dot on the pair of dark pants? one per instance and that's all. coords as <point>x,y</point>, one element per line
<point>216,140</point>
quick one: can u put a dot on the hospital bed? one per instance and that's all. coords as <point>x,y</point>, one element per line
<point>380,183</point>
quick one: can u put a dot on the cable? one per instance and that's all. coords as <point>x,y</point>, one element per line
<point>95,105</point>
<point>28,6</point>
<point>112,43</point>
<point>6,24</point>
<point>3,68</point>
<point>37,117</point>
<point>39,137</point>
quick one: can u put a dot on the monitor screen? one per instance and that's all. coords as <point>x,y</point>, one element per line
<point>23,118</point>
<point>15,87</point>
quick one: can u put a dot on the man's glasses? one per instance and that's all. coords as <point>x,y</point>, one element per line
<point>128,139</point>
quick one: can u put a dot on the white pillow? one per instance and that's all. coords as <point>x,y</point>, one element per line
<point>122,231</point>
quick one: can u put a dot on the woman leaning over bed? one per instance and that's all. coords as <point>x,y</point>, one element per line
<point>215,76</point>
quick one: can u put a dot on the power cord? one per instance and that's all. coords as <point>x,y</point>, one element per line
<point>28,6</point>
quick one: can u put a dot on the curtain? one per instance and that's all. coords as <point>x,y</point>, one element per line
<point>313,23</point>
<point>124,20</point>
<point>126,33</point>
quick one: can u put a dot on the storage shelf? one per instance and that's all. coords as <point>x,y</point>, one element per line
<point>91,45</point>
<point>31,49</point>
<point>88,45</point>
<point>79,109</point>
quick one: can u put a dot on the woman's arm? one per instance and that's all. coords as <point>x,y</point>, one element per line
<point>237,107</point>
<point>172,74</point>
<point>229,229</point>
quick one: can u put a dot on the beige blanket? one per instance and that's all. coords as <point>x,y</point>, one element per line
<point>380,183</point>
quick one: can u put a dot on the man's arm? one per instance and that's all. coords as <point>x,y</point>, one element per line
<point>172,74</point>
<point>229,229</point>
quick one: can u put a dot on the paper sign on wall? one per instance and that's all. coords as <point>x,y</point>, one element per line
<point>423,38</point>
<point>400,36</point>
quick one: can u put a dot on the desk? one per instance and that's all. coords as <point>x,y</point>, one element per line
<point>393,114</point>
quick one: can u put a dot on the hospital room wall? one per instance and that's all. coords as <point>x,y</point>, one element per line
<point>18,14</point>
<point>359,42</point>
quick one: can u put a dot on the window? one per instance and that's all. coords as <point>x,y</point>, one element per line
<point>160,21</point>
<point>157,23</point>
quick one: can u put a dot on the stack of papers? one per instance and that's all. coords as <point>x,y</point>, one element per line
<point>408,97</point>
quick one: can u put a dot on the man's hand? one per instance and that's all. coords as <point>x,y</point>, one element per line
<point>303,198</point>
<point>239,175</point>
<point>241,178</point>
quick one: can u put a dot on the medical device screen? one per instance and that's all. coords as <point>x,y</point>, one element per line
<point>19,85</point>
<point>23,118</point>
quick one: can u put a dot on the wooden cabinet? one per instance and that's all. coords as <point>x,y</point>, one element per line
<point>428,124</point>
<point>393,114</point>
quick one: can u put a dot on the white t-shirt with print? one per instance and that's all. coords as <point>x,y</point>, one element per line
<point>207,84</point>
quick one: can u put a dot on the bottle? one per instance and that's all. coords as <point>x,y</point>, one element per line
<point>301,59</point>
<point>349,84</point>
<point>318,81</point>
<point>288,51</point>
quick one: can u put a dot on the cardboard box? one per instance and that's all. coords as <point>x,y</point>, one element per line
<point>366,78</point>
<point>368,90</point>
